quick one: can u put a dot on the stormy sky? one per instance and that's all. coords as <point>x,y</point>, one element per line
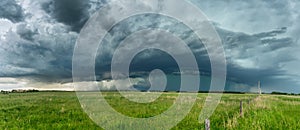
<point>260,40</point>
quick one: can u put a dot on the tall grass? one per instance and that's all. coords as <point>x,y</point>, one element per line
<point>61,110</point>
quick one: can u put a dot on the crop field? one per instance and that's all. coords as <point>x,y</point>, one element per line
<point>61,110</point>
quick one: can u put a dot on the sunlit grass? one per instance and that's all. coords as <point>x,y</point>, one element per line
<point>61,110</point>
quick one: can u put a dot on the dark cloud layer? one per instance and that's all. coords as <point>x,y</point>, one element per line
<point>25,32</point>
<point>142,63</point>
<point>256,48</point>
<point>40,44</point>
<point>246,46</point>
<point>70,12</point>
<point>9,9</point>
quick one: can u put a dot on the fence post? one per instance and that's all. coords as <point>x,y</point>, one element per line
<point>207,124</point>
<point>241,108</point>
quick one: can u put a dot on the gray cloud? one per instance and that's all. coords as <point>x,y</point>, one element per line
<point>24,54</point>
<point>25,32</point>
<point>9,9</point>
<point>40,45</point>
<point>261,56</point>
<point>72,12</point>
<point>251,57</point>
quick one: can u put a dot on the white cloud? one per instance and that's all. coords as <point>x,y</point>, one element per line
<point>7,83</point>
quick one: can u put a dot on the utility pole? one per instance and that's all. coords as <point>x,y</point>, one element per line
<point>259,89</point>
<point>207,124</point>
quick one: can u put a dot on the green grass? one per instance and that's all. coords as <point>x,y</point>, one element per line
<point>61,110</point>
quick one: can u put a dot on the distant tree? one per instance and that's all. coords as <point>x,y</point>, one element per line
<point>279,93</point>
<point>32,90</point>
<point>4,92</point>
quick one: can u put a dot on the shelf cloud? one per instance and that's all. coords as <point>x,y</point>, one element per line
<point>260,39</point>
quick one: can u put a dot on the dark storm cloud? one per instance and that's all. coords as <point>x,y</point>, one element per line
<point>74,13</point>
<point>254,57</point>
<point>247,46</point>
<point>70,12</point>
<point>40,45</point>
<point>25,32</point>
<point>10,10</point>
<point>150,59</point>
<point>47,56</point>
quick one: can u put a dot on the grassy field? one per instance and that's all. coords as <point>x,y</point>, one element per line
<point>61,110</point>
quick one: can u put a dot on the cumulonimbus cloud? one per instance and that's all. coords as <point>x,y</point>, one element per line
<point>42,35</point>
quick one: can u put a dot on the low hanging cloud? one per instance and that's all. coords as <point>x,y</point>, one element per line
<point>39,41</point>
<point>259,57</point>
